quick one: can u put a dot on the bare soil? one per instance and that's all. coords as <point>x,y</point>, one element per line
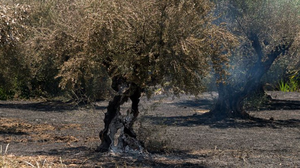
<point>173,129</point>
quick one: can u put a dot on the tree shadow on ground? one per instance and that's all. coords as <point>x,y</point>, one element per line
<point>12,132</point>
<point>275,104</point>
<point>197,103</point>
<point>48,106</point>
<point>63,151</point>
<point>198,119</point>
<point>154,164</point>
<point>87,157</point>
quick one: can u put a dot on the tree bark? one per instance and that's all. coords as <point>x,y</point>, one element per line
<point>115,121</point>
<point>229,104</point>
<point>112,124</point>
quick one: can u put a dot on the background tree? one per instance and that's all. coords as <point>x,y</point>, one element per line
<point>31,62</point>
<point>267,31</point>
<point>15,71</point>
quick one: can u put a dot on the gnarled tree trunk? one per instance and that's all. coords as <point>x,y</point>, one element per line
<point>115,121</point>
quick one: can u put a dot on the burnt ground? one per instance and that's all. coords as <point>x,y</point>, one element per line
<point>174,131</point>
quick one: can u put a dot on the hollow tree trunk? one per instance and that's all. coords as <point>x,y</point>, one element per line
<point>115,121</point>
<point>230,101</point>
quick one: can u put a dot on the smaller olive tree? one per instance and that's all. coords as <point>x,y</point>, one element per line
<point>268,32</point>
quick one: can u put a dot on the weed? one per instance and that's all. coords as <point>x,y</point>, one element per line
<point>154,138</point>
<point>256,101</point>
<point>283,86</point>
<point>290,86</point>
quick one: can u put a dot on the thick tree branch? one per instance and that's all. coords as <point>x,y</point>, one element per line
<point>256,45</point>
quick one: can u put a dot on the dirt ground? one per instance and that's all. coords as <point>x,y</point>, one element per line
<point>59,134</point>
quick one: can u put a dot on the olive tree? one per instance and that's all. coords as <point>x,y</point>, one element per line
<point>267,31</point>
<point>14,68</point>
<point>122,49</point>
<point>29,54</point>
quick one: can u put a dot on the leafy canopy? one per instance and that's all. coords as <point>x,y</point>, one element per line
<point>261,27</point>
<point>169,43</point>
<point>87,45</point>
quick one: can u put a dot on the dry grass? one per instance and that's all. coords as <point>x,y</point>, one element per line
<point>12,161</point>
